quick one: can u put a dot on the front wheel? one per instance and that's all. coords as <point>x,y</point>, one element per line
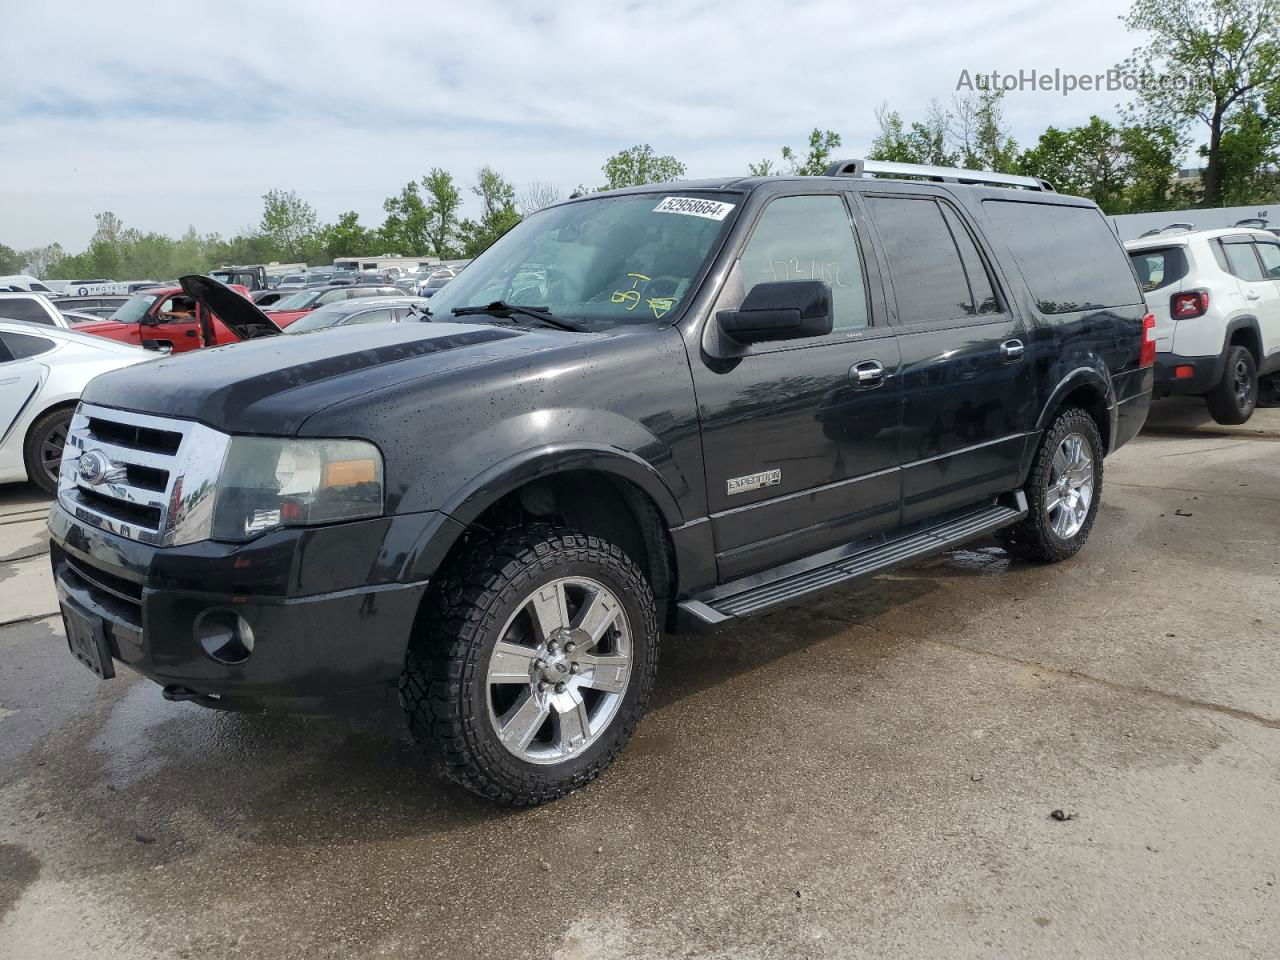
<point>42,450</point>
<point>1062,492</point>
<point>533,663</point>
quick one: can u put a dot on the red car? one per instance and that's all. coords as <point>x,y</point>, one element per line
<point>166,317</point>
<point>299,303</point>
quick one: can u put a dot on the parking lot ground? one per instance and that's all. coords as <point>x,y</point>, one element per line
<point>870,775</point>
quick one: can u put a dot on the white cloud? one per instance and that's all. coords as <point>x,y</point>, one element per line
<point>175,114</point>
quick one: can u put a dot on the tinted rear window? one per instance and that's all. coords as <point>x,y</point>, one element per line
<point>929,278</point>
<point>1159,268</point>
<point>1068,255</point>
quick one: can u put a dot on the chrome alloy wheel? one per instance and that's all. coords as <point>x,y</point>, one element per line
<point>559,670</point>
<point>1070,490</point>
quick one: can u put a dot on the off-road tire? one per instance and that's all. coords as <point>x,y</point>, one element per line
<point>1225,404</point>
<point>45,425</point>
<point>1033,537</point>
<point>443,688</point>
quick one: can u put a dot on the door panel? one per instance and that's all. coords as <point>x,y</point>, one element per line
<point>799,457</point>
<point>965,410</point>
<point>966,375</point>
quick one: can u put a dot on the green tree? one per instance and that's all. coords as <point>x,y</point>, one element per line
<point>813,164</point>
<point>345,237</point>
<point>979,133</point>
<point>289,224</point>
<point>498,212</point>
<point>1214,60</point>
<point>10,260</point>
<point>1127,169</point>
<point>925,141</point>
<point>406,230</point>
<point>639,165</point>
<point>444,200</point>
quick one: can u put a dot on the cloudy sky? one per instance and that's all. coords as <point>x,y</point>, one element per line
<point>172,114</point>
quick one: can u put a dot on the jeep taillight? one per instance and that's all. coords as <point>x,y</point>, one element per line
<point>1184,306</point>
<point>1147,355</point>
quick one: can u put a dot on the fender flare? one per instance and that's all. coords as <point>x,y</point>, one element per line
<point>470,501</point>
<point>1245,322</point>
<point>1079,377</point>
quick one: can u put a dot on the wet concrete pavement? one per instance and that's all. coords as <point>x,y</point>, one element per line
<point>870,775</point>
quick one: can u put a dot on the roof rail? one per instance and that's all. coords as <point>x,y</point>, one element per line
<point>1261,222</point>
<point>1156,231</point>
<point>878,168</point>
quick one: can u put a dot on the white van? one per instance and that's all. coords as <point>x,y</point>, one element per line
<point>21,281</point>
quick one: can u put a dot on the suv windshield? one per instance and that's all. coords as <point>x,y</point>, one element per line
<point>601,262</point>
<point>133,310</point>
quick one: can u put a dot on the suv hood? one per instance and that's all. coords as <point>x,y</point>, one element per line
<point>271,385</point>
<point>239,314</point>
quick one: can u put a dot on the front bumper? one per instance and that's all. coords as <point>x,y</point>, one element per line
<point>330,607</point>
<point>1206,372</point>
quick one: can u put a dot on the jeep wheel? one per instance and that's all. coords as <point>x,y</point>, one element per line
<point>1062,491</point>
<point>532,663</point>
<point>1233,399</point>
<point>42,451</point>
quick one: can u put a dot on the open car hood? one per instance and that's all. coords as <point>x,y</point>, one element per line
<point>238,313</point>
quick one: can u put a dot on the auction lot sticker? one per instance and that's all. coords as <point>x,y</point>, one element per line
<point>693,207</point>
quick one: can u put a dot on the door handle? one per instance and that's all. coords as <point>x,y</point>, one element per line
<point>1012,350</point>
<point>1252,296</point>
<point>867,374</point>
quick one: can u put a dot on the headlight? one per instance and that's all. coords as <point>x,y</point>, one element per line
<point>267,483</point>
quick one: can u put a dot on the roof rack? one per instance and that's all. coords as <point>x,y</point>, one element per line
<point>877,168</point>
<point>1156,231</point>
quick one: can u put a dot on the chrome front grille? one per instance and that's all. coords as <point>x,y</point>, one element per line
<point>148,478</point>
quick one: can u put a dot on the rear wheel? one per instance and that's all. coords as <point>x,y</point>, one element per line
<point>1062,491</point>
<point>1233,400</point>
<point>42,450</point>
<point>533,663</point>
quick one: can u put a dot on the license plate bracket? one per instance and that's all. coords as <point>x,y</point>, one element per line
<point>87,640</point>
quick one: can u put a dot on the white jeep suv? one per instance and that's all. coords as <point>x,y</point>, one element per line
<point>1215,295</point>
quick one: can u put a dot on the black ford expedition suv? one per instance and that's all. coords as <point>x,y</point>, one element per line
<point>658,409</point>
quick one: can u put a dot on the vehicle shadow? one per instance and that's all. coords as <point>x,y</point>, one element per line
<point>290,780</point>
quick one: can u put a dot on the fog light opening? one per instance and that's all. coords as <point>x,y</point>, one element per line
<point>224,636</point>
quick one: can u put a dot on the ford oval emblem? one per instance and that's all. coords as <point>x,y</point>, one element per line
<point>94,467</point>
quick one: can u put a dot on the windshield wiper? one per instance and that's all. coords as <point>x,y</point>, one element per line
<point>500,308</point>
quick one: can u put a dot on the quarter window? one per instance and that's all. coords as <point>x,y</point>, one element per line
<point>929,279</point>
<point>1068,255</point>
<point>809,238</point>
<point>20,346</point>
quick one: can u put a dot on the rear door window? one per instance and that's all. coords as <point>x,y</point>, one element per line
<point>1242,261</point>
<point>929,278</point>
<point>1069,257</point>
<point>1270,254</point>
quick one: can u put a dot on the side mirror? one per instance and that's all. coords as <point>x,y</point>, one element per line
<point>786,310</point>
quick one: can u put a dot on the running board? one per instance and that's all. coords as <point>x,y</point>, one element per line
<point>761,593</point>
